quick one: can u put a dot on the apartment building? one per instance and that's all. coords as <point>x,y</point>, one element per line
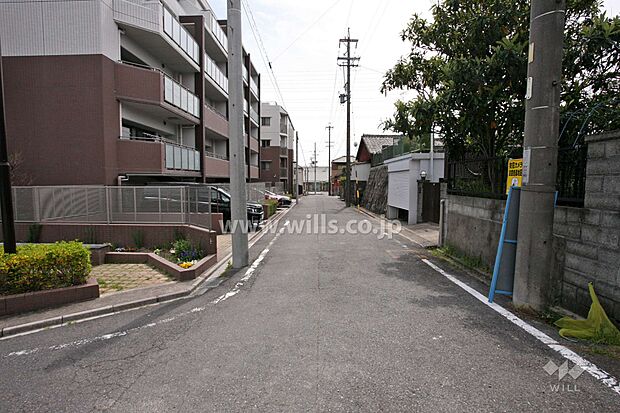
<point>277,143</point>
<point>109,91</point>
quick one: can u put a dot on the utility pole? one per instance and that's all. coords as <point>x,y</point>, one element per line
<point>6,198</point>
<point>235,132</point>
<point>349,62</point>
<point>534,256</point>
<point>329,157</point>
<point>314,162</point>
<point>296,178</point>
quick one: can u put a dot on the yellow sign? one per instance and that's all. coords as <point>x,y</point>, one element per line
<point>515,173</point>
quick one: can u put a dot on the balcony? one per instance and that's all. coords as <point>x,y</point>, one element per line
<point>283,152</point>
<point>156,93</point>
<point>254,88</point>
<point>283,128</point>
<point>156,156</point>
<point>155,28</point>
<point>283,173</point>
<point>254,116</point>
<point>215,121</point>
<point>216,30</point>
<point>216,75</point>
<point>216,166</point>
<point>254,173</point>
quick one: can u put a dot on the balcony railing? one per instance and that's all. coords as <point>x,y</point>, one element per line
<point>283,151</point>
<point>254,115</point>
<point>216,155</point>
<point>215,28</point>
<point>254,86</point>
<point>181,36</point>
<point>283,172</point>
<point>245,74</point>
<point>181,97</point>
<point>177,156</point>
<point>283,128</point>
<point>182,157</point>
<point>215,73</point>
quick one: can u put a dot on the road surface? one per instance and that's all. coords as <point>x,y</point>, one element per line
<point>322,322</point>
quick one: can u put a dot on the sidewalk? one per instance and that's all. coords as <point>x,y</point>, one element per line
<point>124,300</point>
<point>425,234</point>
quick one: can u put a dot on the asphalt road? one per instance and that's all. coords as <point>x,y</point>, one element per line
<point>324,322</point>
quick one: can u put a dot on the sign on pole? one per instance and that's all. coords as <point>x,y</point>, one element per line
<point>515,174</point>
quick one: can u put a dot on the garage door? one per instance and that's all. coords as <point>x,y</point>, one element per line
<point>398,189</point>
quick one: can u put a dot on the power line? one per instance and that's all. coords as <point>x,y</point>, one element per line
<point>264,55</point>
<point>307,29</point>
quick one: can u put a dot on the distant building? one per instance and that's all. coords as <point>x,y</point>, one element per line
<point>318,175</point>
<point>277,146</point>
<point>338,174</point>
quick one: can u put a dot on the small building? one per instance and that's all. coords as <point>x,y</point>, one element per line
<point>406,177</point>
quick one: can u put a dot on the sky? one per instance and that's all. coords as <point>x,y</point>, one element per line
<point>300,39</point>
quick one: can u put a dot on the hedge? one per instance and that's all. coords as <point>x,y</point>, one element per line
<point>38,267</point>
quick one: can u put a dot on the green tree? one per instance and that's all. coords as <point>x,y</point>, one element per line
<point>468,68</point>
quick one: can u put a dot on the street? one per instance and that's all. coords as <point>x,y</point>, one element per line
<point>323,322</point>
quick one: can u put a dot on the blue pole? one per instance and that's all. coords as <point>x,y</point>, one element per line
<point>500,248</point>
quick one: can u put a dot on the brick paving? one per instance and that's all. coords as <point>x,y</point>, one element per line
<point>122,277</point>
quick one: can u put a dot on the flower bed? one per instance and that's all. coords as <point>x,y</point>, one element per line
<point>38,267</point>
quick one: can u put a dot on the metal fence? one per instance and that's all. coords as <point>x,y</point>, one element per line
<point>112,204</point>
<point>486,177</point>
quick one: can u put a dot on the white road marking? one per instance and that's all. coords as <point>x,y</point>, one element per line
<point>250,271</point>
<point>600,375</point>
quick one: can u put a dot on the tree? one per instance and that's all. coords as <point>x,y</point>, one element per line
<point>468,70</point>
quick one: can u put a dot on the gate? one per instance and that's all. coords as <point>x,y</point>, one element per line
<point>430,201</point>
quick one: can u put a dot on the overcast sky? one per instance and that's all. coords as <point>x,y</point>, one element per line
<point>301,41</point>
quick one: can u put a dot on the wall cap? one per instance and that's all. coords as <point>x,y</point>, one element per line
<point>607,136</point>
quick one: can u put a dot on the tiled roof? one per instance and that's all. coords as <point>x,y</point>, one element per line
<point>374,143</point>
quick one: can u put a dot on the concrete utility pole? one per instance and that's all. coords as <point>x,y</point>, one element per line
<point>238,208</point>
<point>329,157</point>
<point>296,179</point>
<point>6,195</point>
<point>314,163</point>
<point>542,119</point>
<point>349,62</point>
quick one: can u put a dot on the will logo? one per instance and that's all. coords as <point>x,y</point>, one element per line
<point>551,368</point>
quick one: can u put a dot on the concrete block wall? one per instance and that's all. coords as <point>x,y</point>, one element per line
<point>586,240</point>
<point>591,235</point>
<point>473,226</point>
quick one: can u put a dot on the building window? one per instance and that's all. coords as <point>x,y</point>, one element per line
<point>265,143</point>
<point>265,165</point>
<point>265,121</point>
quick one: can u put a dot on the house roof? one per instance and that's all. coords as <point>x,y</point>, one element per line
<point>343,159</point>
<point>374,143</point>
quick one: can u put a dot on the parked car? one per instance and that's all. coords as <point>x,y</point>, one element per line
<point>283,200</point>
<point>201,198</point>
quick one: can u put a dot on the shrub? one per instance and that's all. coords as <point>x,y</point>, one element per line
<point>43,267</point>
<point>184,251</point>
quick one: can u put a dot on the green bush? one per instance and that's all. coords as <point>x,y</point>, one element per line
<point>38,267</point>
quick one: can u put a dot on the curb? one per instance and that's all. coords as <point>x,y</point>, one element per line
<point>130,305</point>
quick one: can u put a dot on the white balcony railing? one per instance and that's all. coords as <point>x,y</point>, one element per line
<point>253,86</point>
<point>179,96</point>
<point>215,28</point>
<point>182,158</point>
<point>254,115</point>
<point>215,73</point>
<point>181,36</point>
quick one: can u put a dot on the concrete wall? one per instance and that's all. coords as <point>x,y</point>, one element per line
<point>586,240</point>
